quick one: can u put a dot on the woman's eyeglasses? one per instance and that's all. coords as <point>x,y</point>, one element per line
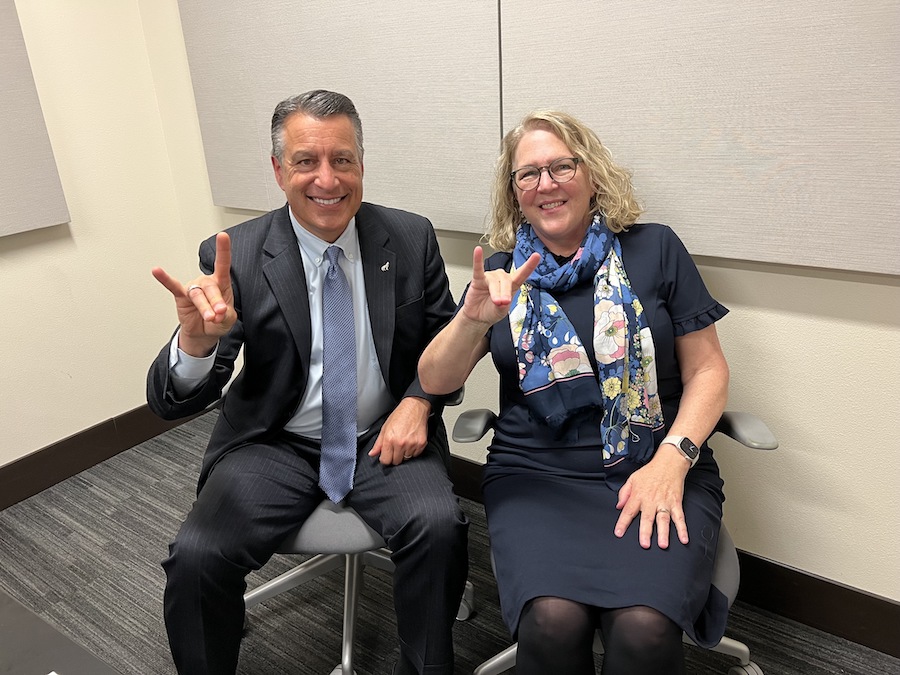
<point>561,170</point>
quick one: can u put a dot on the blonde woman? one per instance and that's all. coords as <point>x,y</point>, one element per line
<point>603,500</point>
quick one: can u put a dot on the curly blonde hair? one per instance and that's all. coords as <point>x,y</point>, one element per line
<point>613,192</point>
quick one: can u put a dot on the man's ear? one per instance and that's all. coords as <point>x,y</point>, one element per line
<point>276,165</point>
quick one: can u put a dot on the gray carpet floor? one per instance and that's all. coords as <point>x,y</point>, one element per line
<point>84,557</point>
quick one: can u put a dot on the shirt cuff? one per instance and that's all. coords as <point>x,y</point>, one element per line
<point>188,373</point>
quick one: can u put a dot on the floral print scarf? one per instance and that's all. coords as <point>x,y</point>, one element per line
<point>554,371</point>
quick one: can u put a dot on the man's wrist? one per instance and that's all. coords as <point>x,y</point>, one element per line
<point>424,403</point>
<point>199,348</point>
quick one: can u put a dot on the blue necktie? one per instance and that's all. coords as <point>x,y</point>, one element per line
<point>338,459</point>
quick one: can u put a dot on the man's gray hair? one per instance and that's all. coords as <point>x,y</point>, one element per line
<point>319,104</point>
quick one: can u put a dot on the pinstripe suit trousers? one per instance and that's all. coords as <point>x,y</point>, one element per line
<point>257,494</point>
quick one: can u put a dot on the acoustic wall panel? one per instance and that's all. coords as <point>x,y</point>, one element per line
<point>759,130</point>
<point>424,77</point>
<point>31,195</point>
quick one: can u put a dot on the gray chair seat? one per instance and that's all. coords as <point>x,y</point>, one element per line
<point>332,528</point>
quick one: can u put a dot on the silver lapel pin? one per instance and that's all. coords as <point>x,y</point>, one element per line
<point>386,266</point>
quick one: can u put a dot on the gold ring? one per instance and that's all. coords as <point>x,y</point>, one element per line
<point>658,511</point>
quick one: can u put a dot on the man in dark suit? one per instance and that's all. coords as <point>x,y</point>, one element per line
<point>262,289</point>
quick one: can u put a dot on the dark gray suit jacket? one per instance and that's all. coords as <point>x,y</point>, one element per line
<point>409,302</point>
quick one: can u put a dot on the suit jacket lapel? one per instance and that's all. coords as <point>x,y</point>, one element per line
<point>284,272</point>
<point>379,270</point>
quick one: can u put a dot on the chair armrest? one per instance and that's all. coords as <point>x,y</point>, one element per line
<point>472,425</point>
<point>746,429</point>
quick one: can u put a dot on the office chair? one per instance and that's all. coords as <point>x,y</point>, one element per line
<point>746,429</point>
<point>338,537</point>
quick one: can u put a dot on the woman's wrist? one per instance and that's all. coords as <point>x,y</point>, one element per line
<point>670,456</point>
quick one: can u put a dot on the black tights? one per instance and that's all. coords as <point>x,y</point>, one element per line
<point>555,636</point>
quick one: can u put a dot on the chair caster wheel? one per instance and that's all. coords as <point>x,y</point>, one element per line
<point>750,669</point>
<point>467,605</point>
<point>465,612</point>
<point>340,671</point>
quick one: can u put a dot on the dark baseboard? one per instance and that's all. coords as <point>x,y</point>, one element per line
<point>850,613</point>
<point>829,606</point>
<point>29,475</point>
<point>466,476</point>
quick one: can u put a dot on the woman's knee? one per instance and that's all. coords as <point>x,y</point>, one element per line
<point>556,623</point>
<point>641,636</point>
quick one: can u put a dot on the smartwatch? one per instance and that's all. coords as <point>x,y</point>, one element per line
<point>685,446</point>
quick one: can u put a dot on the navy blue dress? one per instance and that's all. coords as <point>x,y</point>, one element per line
<point>550,503</point>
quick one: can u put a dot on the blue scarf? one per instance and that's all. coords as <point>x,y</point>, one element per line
<point>555,373</point>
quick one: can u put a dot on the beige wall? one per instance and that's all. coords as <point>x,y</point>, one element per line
<point>814,352</point>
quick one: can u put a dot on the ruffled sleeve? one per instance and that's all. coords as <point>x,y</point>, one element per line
<point>689,302</point>
<point>702,320</point>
